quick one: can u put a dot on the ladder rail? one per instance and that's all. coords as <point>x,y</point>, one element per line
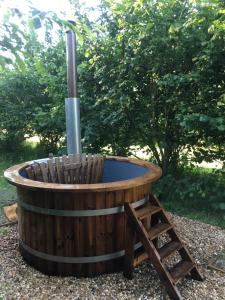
<point>149,237</point>
<point>153,255</point>
<point>184,252</point>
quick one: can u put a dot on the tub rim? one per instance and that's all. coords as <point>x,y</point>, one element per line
<point>13,176</point>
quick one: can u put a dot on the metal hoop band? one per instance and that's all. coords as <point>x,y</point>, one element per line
<point>79,213</point>
<point>75,260</point>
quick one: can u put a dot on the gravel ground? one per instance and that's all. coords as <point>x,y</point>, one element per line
<point>19,281</point>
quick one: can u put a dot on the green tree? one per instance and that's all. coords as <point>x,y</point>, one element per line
<point>149,64</point>
<point>18,93</point>
<point>32,97</point>
<point>150,75</point>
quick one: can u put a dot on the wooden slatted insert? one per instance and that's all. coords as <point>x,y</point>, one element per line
<point>71,169</point>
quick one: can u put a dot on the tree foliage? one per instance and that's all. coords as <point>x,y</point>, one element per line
<point>158,78</point>
<point>151,74</point>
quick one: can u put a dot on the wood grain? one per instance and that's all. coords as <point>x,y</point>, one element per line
<point>13,176</point>
<point>76,236</point>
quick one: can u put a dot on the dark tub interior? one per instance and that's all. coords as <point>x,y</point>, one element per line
<point>121,170</point>
<point>114,170</point>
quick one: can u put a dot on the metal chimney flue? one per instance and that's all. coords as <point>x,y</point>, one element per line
<point>72,103</point>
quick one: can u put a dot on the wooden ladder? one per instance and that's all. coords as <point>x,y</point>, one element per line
<point>147,224</point>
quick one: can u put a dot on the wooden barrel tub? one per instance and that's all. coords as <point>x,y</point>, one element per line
<point>79,229</point>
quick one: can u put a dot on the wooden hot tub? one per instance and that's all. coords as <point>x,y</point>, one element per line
<point>79,229</point>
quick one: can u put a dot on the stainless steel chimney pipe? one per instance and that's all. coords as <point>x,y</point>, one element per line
<point>72,103</point>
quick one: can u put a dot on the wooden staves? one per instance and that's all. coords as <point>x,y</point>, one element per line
<point>61,230</point>
<point>71,169</point>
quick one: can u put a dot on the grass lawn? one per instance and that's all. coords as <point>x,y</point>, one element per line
<point>212,218</point>
<point>29,151</point>
<point>192,195</point>
<point>196,193</point>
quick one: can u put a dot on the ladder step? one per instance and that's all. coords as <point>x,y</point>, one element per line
<point>140,258</point>
<point>180,270</point>
<point>147,211</point>
<point>158,229</point>
<point>148,237</point>
<point>168,249</point>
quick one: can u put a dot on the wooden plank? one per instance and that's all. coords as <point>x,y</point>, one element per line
<point>30,173</point>
<point>77,241</point>
<point>34,218</point>
<point>168,249</point>
<point>73,171</point>
<point>83,168</point>
<point>100,232</point>
<point>94,167</point>
<point>41,232</point>
<point>68,232</point>
<point>120,220</point>
<point>71,168</point>
<point>130,238</point>
<point>102,169</point>
<point>89,167</point>
<point>52,171</point>
<point>147,211</point>
<point>82,236</point>
<point>135,196</point>
<point>37,172</point>
<point>77,159</point>
<point>140,258</point>
<point>98,168</point>
<point>65,172</point>
<point>90,227</point>
<point>44,171</point>
<point>110,229</point>
<point>49,230</point>
<point>21,216</point>
<point>180,270</point>
<point>158,229</point>
<point>59,172</point>
<point>59,233</point>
